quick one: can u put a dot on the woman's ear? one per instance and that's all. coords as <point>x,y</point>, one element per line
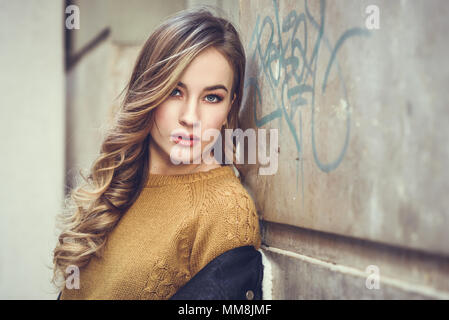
<point>233,99</point>
<point>235,95</point>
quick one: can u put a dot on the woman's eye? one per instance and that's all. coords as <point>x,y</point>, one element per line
<point>213,98</point>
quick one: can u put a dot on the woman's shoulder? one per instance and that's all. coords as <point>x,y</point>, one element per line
<point>227,219</point>
<point>229,209</point>
<point>227,193</point>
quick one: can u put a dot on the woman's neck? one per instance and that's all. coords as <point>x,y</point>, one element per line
<point>160,166</point>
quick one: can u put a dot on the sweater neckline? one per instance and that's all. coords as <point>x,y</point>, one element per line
<point>155,180</point>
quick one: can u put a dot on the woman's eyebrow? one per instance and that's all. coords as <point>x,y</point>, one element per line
<point>218,86</point>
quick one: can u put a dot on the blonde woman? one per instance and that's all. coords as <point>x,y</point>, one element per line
<point>154,219</point>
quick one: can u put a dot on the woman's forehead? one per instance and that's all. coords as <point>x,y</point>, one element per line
<point>209,68</point>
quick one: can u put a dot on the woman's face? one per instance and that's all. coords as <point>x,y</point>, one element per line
<point>200,102</point>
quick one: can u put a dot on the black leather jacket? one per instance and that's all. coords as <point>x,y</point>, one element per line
<point>234,275</point>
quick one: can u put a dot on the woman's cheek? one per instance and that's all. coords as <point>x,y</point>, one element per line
<point>215,124</point>
<point>215,120</point>
<point>211,127</point>
<point>163,117</point>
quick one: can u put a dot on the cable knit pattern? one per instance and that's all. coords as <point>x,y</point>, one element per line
<point>163,281</point>
<point>175,228</point>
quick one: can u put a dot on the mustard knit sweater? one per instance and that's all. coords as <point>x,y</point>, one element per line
<point>178,224</point>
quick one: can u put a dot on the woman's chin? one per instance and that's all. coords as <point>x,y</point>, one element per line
<point>185,157</point>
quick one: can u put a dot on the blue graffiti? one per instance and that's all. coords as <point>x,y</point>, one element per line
<point>291,57</point>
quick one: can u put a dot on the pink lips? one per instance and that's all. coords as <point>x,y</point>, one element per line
<point>185,140</point>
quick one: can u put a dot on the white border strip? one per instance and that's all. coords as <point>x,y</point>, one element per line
<point>267,282</point>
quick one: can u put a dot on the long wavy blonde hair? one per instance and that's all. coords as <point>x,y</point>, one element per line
<point>94,207</point>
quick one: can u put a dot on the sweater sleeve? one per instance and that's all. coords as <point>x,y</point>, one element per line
<point>224,223</point>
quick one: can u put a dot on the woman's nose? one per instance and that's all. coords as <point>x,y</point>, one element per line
<point>189,114</point>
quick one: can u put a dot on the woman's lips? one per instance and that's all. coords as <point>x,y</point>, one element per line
<point>186,141</point>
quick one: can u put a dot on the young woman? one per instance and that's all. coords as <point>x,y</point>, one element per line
<point>154,219</point>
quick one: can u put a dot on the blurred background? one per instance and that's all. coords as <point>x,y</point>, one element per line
<point>357,90</point>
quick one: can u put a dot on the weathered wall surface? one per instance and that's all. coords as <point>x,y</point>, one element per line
<point>32,144</point>
<point>362,119</point>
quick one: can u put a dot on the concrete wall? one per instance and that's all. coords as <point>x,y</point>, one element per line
<point>33,136</point>
<point>362,119</point>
